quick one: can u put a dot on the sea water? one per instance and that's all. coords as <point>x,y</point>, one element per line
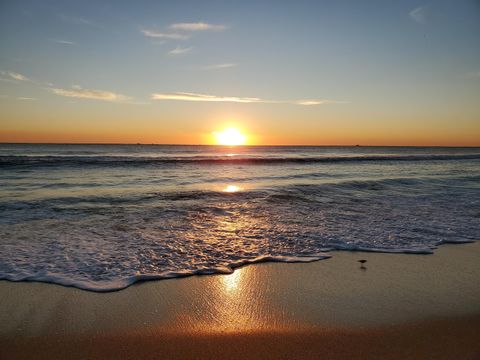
<point>100,217</point>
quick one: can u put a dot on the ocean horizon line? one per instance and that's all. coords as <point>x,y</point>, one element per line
<point>242,146</point>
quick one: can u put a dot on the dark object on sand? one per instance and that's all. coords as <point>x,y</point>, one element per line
<point>362,262</point>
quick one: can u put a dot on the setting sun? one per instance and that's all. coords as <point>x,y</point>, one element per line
<point>230,136</point>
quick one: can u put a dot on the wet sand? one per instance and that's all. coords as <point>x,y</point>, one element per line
<point>401,306</point>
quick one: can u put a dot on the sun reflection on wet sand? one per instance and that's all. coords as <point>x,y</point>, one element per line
<point>235,308</point>
<point>232,281</point>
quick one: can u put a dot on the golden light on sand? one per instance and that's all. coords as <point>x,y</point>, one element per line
<point>230,137</point>
<point>231,188</point>
<point>232,281</point>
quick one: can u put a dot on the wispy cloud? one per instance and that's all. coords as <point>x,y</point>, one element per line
<point>220,66</point>
<point>187,96</point>
<point>309,102</point>
<point>13,76</point>
<point>78,92</point>
<point>179,50</point>
<point>418,15</point>
<point>181,31</point>
<point>162,35</point>
<point>63,42</point>
<point>22,98</point>
<point>197,26</point>
<point>76,20</point>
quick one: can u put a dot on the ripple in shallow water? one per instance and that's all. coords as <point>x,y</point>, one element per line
<point>107,243</point>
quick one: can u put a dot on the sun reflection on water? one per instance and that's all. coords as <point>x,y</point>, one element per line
<point>231,189</point>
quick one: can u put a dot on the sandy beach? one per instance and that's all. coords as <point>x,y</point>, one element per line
<point>239,180</point>
<point>400,306</point>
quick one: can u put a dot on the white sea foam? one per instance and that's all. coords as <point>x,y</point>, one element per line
<point>103,228</point>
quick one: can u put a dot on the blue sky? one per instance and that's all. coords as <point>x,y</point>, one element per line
<point>392,72</point>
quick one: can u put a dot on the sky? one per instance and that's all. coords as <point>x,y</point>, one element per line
<point>299,72</point>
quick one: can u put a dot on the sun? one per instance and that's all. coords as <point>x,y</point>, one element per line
<point>230,137</point>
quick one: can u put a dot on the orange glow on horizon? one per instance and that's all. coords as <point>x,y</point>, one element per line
<point>261,136</point>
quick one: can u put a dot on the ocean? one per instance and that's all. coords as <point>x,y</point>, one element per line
<point>101,217</point>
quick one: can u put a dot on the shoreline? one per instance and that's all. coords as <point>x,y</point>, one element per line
<point>226,270</point>
<point>423,304</point>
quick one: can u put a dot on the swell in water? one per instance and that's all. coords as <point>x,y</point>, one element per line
<point>13,161</point>
<point>103,227</point>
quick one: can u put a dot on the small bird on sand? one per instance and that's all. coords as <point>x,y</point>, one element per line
<point>362,262</point>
